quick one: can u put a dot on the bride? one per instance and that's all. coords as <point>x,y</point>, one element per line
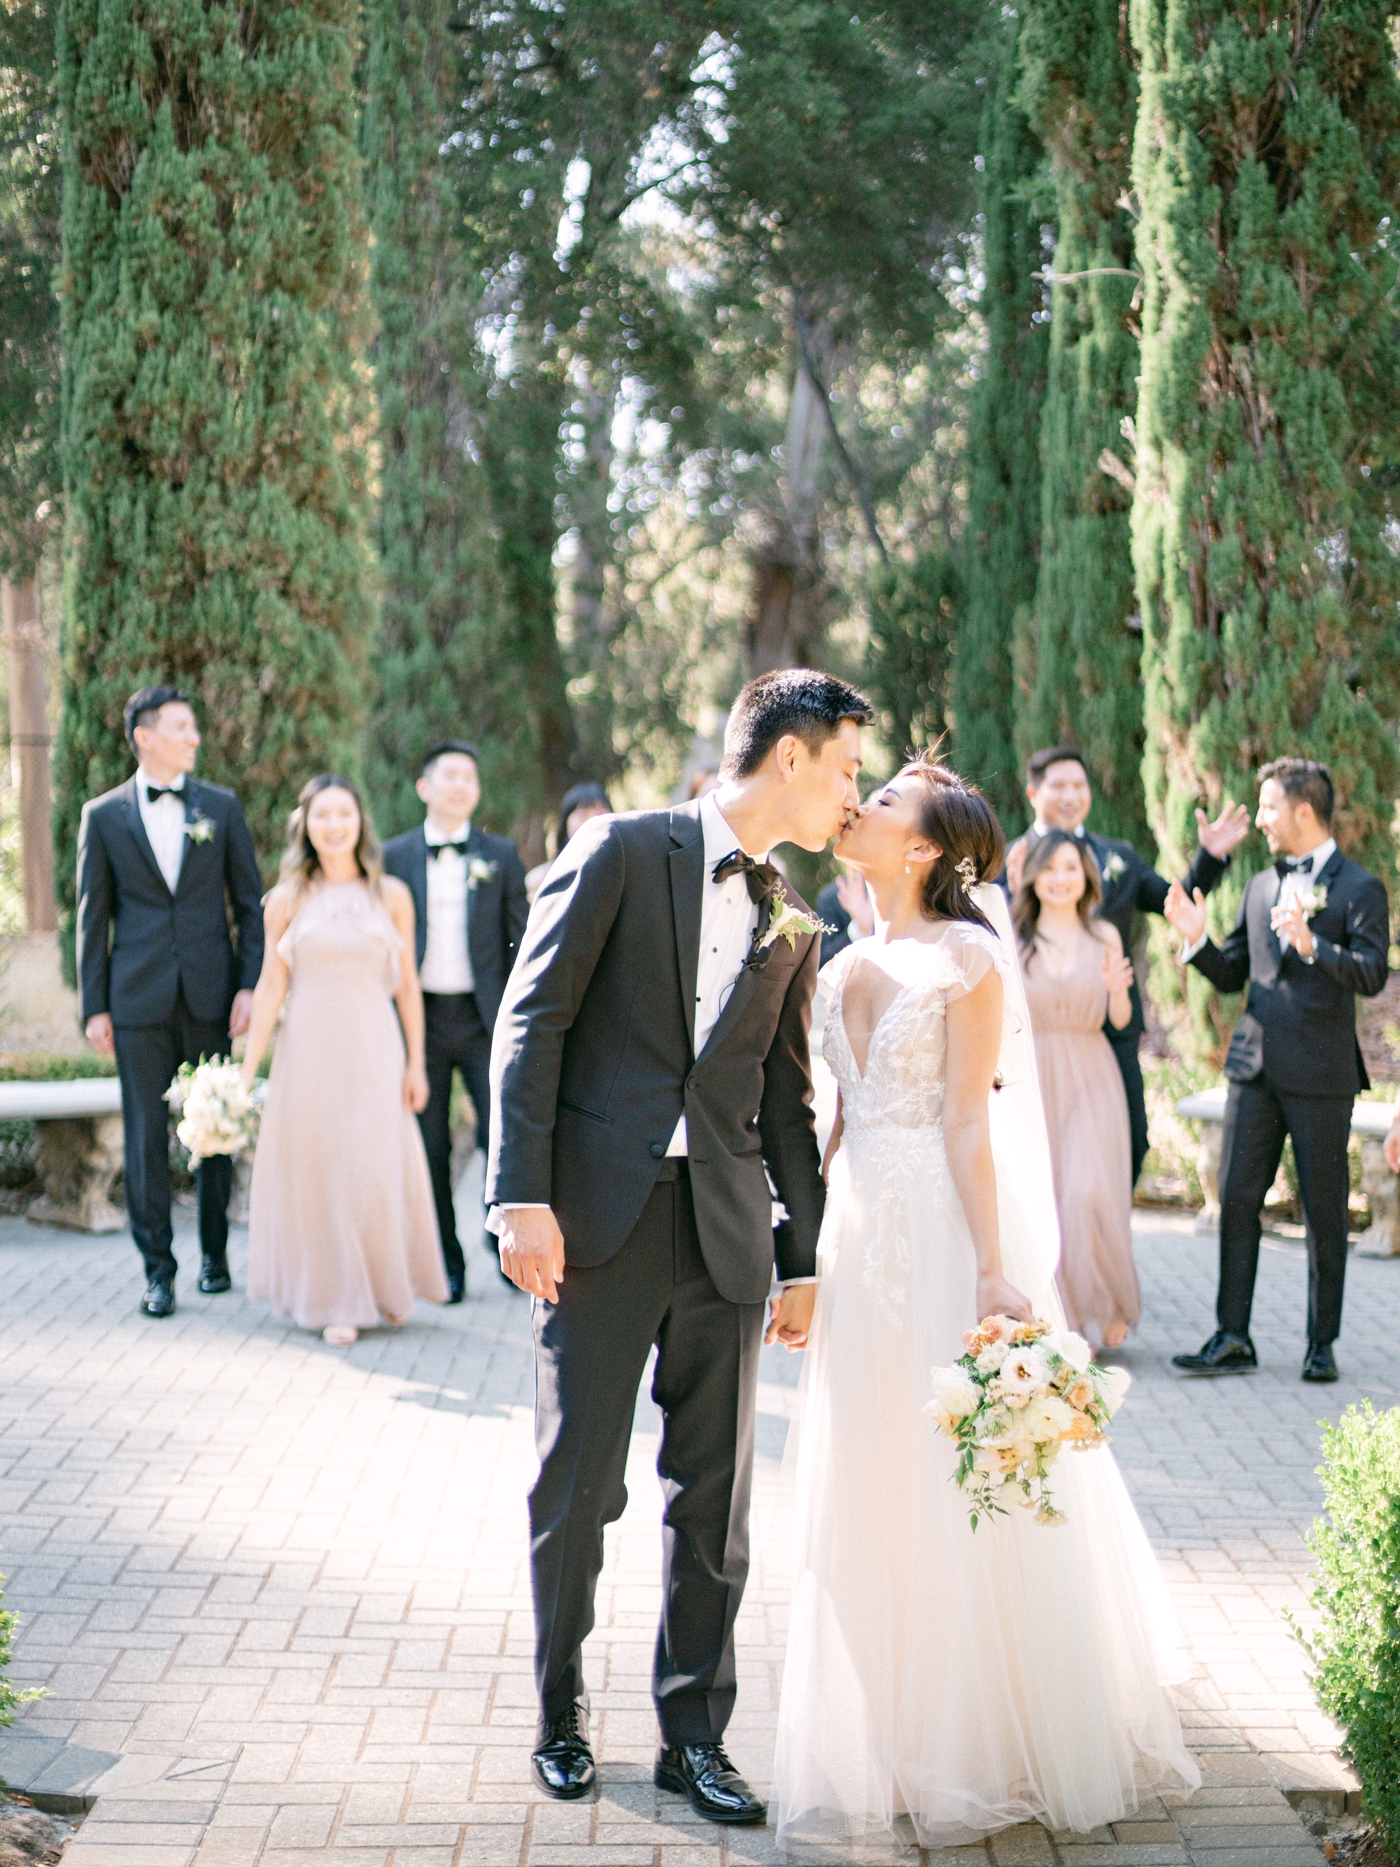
<point>940,1684</point>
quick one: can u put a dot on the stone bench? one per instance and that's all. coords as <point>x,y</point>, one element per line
<point>1369,1120</point>
<point>78,1126</point>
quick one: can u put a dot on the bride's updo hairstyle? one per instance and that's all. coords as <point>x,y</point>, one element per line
<point>300,865</point>
<point>962,823</point>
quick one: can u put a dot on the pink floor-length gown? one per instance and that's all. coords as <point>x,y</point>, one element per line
<point>342,1227</point>
<point>1086,1111</point>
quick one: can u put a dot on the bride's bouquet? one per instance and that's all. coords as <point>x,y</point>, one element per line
<point>1021,1392</point>
<point>217,1114</point>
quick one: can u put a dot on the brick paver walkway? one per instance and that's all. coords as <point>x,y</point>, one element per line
<point>284,1586</point>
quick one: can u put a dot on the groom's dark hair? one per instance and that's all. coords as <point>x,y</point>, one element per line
<point>800,701</point>
<point>143,706</point>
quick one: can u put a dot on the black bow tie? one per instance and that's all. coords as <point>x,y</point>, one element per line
<point>438,849</point>
<point>156,791</point>
<point>761,878</point>
<point>1287,866</point>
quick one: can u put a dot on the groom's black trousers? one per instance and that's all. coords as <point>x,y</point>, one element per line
<point>591,1350</point>
<point>148,1056</point>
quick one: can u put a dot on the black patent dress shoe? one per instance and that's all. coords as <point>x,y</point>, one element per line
<point>715,1788</point>
<point>214,1278</point>
<point>456,1286</point>
<point>1320,1364</point>
<point>1223,1354</point>
<point>159,1299</point>
<point>562,1760</point>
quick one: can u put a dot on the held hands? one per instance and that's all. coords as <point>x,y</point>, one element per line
<point>996,1297</point>
<point>1291,923</point>
<point>791,1319</point>
<point>415,1088</point>
<point>1229,830</point>
<point>1117,971</point>
<point>532,1250</point>
<point>98,1031</point>
<point>1186,913</point>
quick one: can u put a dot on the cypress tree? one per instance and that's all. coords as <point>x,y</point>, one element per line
<point>1003,516</point>
<point>438,653</point>
<point>1266,163</point>
<point>1079,86</point>
<point>217,406</point>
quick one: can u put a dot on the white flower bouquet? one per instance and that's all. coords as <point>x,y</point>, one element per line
<point>1021,1392</point>
<point>217,1114</point>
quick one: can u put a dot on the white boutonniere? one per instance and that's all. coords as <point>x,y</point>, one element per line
<point>200,829</point>
<point>479,870</point>
<point>1114,867</point>
<point>1311,900</point>
<point>789,923</point>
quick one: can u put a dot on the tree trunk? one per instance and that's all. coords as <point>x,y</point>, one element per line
<point>30,747</point>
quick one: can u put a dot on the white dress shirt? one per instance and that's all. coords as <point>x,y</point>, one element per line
<point>1294,883</point>
<point>447,965</point>
<point>164,824</point>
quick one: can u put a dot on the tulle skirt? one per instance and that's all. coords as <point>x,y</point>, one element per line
<point>941,1684</point>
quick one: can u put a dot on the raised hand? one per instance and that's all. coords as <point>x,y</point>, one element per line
<point>1015,863</point>
<point>1291,923</point>
<point>1229,830</point>
<point>1187,914</point>
<point>854,897</point>
<point>1117,970</point>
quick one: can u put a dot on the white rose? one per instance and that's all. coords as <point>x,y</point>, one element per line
<point>991,1358</point>
<point>1069,1347</point>
<point>1047,1417</point>
<point>955,1395</point>
<point>1024,1370</point>
<point>1113,1385</point>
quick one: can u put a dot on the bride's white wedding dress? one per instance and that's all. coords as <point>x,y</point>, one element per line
<point>940,1684</point>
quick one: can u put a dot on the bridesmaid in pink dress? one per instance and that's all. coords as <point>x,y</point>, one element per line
<point>342,1230</point>
<point>1076,973</point>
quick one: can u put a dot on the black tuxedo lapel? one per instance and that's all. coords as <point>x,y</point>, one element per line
<point>131,810</point>
<point>193,812</point>
<point>687,894</point>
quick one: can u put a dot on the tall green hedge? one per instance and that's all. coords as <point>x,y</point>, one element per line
<point>217,407</point>
<point>1266,165</point>
<point>1079,87</point>
<point>1001,542</point>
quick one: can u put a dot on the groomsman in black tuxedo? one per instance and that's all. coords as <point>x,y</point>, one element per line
<point>164,863</point>
<point>1312,931</point>
<point>470,910</point>
<point>1057,784</point>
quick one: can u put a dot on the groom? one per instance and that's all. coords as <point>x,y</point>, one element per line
<point>649,1074</point>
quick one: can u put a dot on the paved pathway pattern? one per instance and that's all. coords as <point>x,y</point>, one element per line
<point>284,1586</point>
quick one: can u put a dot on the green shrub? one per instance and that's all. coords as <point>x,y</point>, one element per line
<point>1356,1650</point>
<point>10,1696</point>
<point>46,1066</point>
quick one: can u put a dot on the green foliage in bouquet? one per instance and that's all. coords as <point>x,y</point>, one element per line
<point>1001,542</point>
<point>1356,1650</point>
<point>217,402</point>
<point>1080,662</point>
<point>1266,166</point>
<point>10,1696</point>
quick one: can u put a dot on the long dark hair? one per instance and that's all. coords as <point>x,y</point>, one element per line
<point>1025,909</point>
<point>957,817</point>
<point>301,865</point>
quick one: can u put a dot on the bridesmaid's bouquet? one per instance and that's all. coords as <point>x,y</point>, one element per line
<point>1021,1392</point>
<point>217,1114</point>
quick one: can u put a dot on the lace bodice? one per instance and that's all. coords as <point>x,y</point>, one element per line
<point>902,1084</point>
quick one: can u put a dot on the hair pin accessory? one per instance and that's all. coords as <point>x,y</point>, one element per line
<point>967,873</point>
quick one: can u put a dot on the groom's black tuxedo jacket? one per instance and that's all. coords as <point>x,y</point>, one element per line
<point>592,1066</point>
<point>1299,1024</point>
<point>496,908</point>
<point>138,944</point>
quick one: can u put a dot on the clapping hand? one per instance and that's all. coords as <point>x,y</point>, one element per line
<point>854,897</point>
<point>1015,864</point>
<point>1187,913</point>
<point>1229,830</point>
<point>1117,970</point>
<point>1291,924</point>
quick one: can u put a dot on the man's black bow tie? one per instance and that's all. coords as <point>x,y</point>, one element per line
<point>1287,866</point>
<point>761,878</point>
<point>438,849</point>
<point>156,791</point>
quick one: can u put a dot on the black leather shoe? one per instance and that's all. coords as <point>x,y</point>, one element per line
<point>214,1278</point>
<point>456,1286</point>
<point>159,1299</point>
<point>1319,1364</point>
<point>562,1760</point>
<point>714,1786</point>
<point>1223,1354</point>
